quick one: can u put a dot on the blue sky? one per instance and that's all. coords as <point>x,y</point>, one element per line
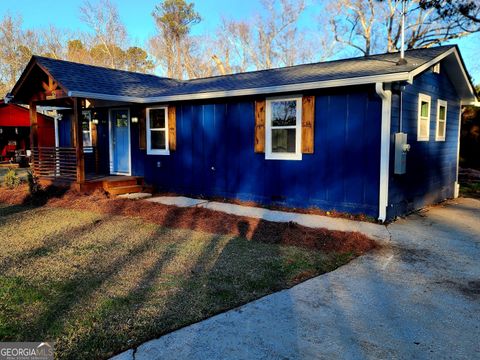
<point>136,15</point>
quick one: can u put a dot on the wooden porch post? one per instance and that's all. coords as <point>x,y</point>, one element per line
<point>78,139</point>
<point>33,126</point>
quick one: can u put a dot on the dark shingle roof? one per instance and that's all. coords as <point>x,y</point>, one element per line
<point>80,77</point>
<point>93,79</point>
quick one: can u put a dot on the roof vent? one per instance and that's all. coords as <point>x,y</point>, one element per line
<point>402,60</point>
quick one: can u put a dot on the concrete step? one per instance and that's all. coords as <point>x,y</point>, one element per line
<point>129,189</point>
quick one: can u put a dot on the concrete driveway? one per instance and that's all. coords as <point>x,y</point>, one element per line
<point>417,298</point>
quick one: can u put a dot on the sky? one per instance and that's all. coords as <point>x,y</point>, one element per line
<point>136,14</point>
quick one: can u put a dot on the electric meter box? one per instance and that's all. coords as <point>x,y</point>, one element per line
<point>401,150</point>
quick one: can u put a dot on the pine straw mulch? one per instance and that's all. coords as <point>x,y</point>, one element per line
<point>198,219</point>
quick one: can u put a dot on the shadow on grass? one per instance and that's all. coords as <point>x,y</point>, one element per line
<point>227,270</point>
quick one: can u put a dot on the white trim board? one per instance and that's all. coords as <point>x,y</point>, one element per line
<point>269,155</point>
<point>428,99</point>
<point>151,151</point>
<point>440,103</point>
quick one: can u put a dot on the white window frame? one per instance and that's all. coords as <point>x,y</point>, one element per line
<point>428,99</point>
<point>297,155</point>
<point>437,136</point>
<point>87,149</point>
<point>151,151</point>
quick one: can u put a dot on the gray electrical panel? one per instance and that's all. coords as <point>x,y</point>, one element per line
<point>401,150</point>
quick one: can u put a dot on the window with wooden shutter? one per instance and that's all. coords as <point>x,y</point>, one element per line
<point>284,127</point>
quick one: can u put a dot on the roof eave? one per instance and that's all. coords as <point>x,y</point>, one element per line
<point>470,90</point>
<point>400,76</point>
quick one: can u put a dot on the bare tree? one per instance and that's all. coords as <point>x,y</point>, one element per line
<point>172,45</point>
<point>16,48</point>
<point>53,42</point>
<point>374,26</point>
<point>109,33</point>
<point>271,39</point>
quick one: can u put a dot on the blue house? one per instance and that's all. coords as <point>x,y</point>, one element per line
<point>368,135</point>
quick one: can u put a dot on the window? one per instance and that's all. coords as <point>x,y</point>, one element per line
<point>441,120</point>
<point>436,68</point>
<point>423,130</point>
<point>283,129</point>
<point>87,131</point>
<point>157,131</point>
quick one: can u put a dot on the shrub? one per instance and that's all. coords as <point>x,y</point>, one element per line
<point>33,185</point>
<point>11,179</point>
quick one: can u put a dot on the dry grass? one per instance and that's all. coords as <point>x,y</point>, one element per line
<point>100,281</point>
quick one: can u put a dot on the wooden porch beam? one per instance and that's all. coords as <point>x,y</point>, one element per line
<point>33,126</point>
<point>78,139</point>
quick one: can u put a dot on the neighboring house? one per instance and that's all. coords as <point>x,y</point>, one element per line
<point>316,135</point>
<point>15,131</point>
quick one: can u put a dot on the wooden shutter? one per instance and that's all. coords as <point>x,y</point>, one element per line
<point>308,118</point>
<point>260,126</point>
<point>172,128</point>
<point>142,130</point>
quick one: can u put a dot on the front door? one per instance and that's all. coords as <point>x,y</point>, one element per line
<point>120,141</point>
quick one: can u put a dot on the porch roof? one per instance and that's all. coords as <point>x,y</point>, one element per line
<point>95,82</point>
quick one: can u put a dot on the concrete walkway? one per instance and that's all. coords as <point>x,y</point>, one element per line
<point>372,230</point>
<point>417,298</point>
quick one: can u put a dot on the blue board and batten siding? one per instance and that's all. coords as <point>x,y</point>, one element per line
<point>215,155</point>
<point>431,165</point>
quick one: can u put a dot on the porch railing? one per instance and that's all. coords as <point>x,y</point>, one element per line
<point>56,163</point>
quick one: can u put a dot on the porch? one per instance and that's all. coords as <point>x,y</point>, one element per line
<point>92,137</point>
<point>58,167</point>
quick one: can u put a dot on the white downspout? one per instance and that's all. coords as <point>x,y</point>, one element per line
<point>456,185</point>
<point>386,96</point>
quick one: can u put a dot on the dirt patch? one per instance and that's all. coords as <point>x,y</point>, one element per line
<point>202,220</point>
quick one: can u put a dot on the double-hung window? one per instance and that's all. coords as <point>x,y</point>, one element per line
<point>157,131</point>
<point>87,131</point>
<point>423,129</point>
<point>441,120</point>
<point>283,128</point>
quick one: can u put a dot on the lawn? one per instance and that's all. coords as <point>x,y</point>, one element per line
<point>88,275</point>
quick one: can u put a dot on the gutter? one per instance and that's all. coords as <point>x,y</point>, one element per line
<point>386,96</point>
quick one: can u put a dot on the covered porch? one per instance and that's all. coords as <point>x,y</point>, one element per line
<point>92,135</point>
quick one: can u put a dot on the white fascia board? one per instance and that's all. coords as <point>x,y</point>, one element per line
<point>402,76</point>
<point>439,58</point>
<point>98,96</point>
<point>428,64</point>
